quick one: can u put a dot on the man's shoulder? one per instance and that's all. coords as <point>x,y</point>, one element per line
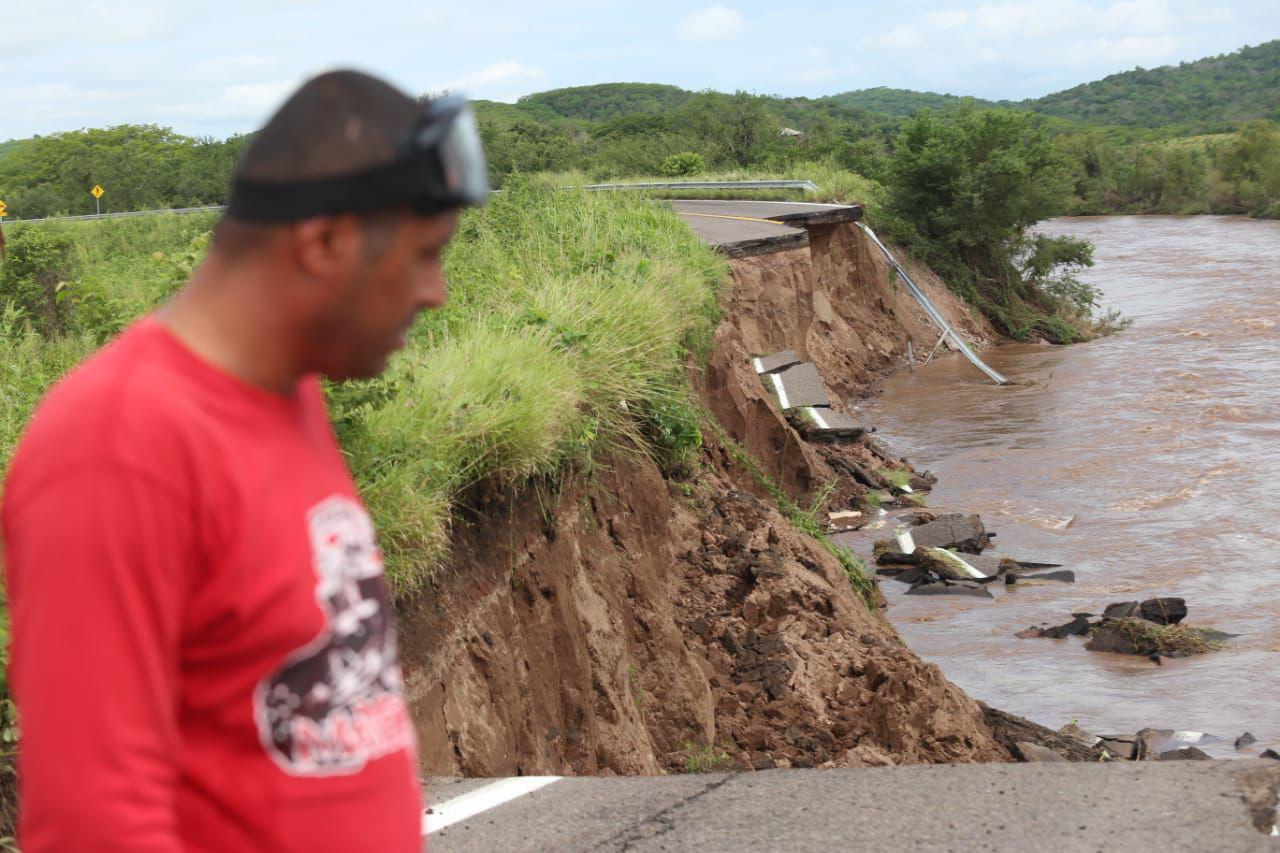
<point>121,403</point>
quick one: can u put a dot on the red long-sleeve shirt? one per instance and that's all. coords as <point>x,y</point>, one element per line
<point>203,644</point>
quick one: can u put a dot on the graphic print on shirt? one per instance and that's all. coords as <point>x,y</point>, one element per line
<point>337,702</point>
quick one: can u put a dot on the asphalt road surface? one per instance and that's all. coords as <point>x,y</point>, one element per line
<point>747,227</point>
<point>1186,805</point>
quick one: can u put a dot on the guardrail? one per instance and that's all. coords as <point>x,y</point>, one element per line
<point>933,312</point>
<point>210,209</point>
<point>809,186</point>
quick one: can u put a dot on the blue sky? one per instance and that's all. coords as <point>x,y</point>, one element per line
<point>220,67</point>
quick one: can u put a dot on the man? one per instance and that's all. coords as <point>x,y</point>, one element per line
<point>203,644</point>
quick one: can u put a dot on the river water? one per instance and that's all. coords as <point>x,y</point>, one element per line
<point>1148,462</point>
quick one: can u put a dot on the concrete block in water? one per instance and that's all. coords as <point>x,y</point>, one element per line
<point>953,530</point>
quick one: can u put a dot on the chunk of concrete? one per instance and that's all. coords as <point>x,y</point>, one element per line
<point>1062,576</point>
<point>774,363</point>
<point>1121,748</point>
<point>1077,627</point>
<point>1164,611</point>
<point>1035,753</point>
<point>1185,753</point>
<point>948,565</point>
<point>972,588</point>
<point>955,531</point>
<point>799,386</point>
<point>1246,739</point>
<point>822,423</point>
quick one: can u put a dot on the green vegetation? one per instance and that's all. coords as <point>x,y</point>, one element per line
<point>1148,638</point>
<point>706,759</point>
<point>570,323</point>
<point>1212,94</point>
<point>142,167</point>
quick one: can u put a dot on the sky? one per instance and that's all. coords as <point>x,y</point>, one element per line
<point>217,68</point>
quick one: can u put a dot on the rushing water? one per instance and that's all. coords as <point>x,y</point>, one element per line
<point>1148,462</point>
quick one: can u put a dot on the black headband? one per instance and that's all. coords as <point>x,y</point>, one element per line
<point>440,166</point>
<point>405,181</point>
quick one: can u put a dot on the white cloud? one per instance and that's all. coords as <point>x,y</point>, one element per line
<point>1129,51</point>
<point>903,37</point>
<point>1033,18</point>
<point>509,72</point>
<point>715,23</point>
<point>256,99</point>
<point>947,19</point>
<point>1137,16</point>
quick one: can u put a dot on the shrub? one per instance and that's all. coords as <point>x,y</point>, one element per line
<point>684,164</point>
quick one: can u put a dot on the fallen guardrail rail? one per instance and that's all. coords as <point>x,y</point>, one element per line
<point>933,312</point>
<point>808,186</point>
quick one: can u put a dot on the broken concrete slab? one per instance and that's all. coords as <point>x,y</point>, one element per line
<point>774,363</point>
<point>799,386</point>
<point>972,588</point>
<point>1035,753</point>
<point>1122,748</point>
<point>1185,753</point>
<point>822,423</point>
<point>955,531</point>
<point>1077,627</point>
<point>1061,576</point>
<point>1161,611</point>
<point>1246,739</point>
<point>948,565</point>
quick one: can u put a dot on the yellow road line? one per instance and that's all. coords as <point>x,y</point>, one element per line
<point>726,216</point>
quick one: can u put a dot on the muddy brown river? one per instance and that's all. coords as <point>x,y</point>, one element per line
<point>1148,462</point>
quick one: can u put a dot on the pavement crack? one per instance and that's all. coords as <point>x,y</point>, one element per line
<point>661,822</point>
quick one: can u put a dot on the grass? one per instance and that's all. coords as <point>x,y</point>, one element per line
<point>897,476</point>
<point>706,759</point>
<point>571,320</point>
<point>1168,640</point>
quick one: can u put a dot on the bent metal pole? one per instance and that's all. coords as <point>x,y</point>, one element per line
<point>932,311</point>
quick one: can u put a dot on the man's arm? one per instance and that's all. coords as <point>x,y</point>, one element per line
<point>99,563</point>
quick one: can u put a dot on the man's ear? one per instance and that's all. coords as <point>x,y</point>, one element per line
<point>327,246</point>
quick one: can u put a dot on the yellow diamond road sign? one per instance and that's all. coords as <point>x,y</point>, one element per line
<point>3,209</point>
<point>97,191</point>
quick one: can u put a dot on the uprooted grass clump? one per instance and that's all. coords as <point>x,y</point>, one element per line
<point>1149,638</point>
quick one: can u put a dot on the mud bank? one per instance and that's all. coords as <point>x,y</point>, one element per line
<point>630,624</point>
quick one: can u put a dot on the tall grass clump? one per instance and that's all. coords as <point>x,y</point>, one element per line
<point>572,318</point>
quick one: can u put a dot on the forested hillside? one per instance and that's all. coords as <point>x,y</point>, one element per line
<point>1213,94</point>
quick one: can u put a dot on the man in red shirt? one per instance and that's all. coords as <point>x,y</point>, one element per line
<point>204,655</point>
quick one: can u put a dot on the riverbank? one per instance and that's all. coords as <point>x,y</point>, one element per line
<point>1119,460</point>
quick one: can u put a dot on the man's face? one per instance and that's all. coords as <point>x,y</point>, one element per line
<point>399,273</point>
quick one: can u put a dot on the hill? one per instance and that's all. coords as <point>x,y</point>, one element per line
<point>901,102</point>
<point>1213,94</point>
<point>607,100</point>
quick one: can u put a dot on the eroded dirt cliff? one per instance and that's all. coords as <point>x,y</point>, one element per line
<point>625,623</point>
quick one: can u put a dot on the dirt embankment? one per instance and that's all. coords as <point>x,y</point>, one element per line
<point>627,624</point>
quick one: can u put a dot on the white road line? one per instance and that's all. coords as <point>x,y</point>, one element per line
<point>782,392</point>
<point>813,413</point>
<point>480,800</point>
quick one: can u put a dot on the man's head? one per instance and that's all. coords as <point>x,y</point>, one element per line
<point>347,285</point>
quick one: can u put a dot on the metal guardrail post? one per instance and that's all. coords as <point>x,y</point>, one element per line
<point>932,311</point>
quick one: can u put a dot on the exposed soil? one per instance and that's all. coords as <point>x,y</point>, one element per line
<point>627,624</point>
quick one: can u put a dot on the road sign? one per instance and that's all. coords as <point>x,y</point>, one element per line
<point>97,191</point>
<point>4,211</point>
